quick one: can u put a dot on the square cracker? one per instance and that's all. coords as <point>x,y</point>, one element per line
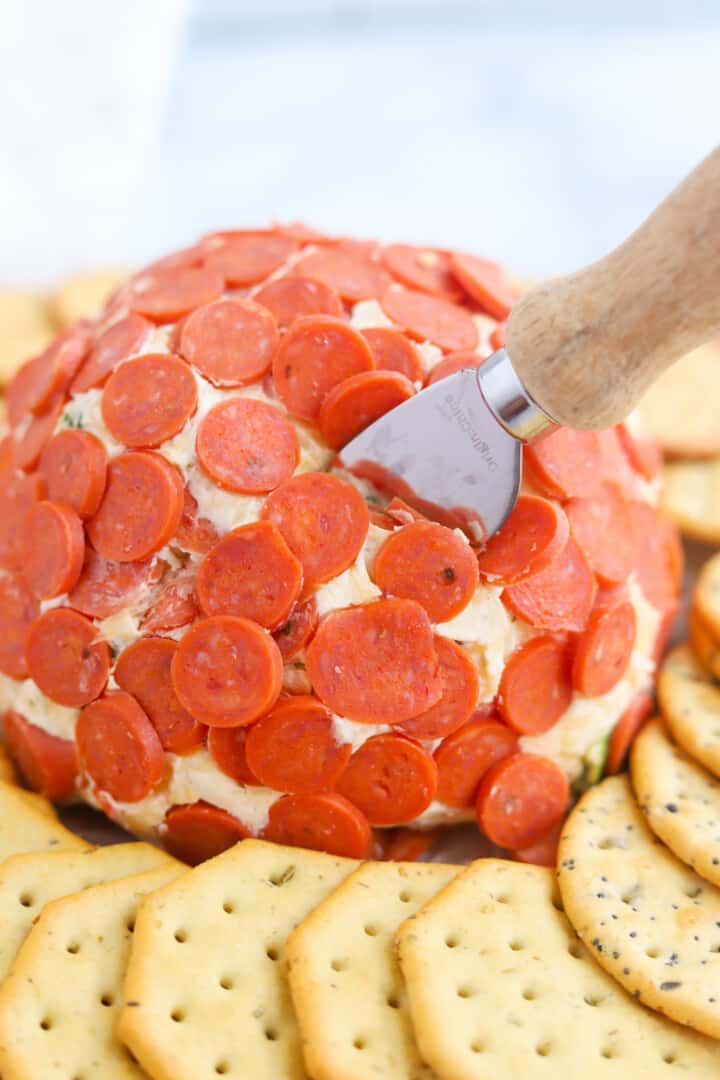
<point>59,1006</point>
<point>206,988</point>
<point>345,980</point>
<point>26,825</point>
<point>501,989</point>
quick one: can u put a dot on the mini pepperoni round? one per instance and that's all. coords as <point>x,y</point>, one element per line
<point>149,399</point>
<point>376,661</point>
<point>391,779</point>
<point>247,257</point>
<point>174,607</point>
<point>357,402</point>
<point>227,671</point>
<point>43,377</point>
<point>53,549</point>
<point>18,493</point>
<point>454,361</point>
<point>166,295</point>
<point>483,281</point>
<point>625,730</point>
<point>289,297</point>
<point>460,691</point>
<point>393,352</point>
<point>466,755</point>
<point>230,342</point>
<point>250,572</point>
<point>294,634</point>
<point>48,764</point>
<point>316,354</point>
<point>228,749</point>
<point>560,597</point>
<point>536,686</point>
<point>105,587</point>
<point>430,318</point>
<point>66,657</point>
<point>194,533</point>
<point>247,446</point>
<point>118,748</point>
<point>602,528</point>
<point>322,821</point>
<point>658,556</point>
<point>604,650</point>
<point>31,443</point>
<point>18,608</point>
<point>535,533</point>
<point>194,832</point>
<point>406,844</point>
<point>543,852</point>
<point>324,521</point>
<point>565,464</point>
<point>74,464</point>
<point>422,268</point>
<point>430,564</point>
<point>349,274</point>
<point>141,508</point>
<point>143,670</point>
<point>520,799</point>
<point>293,748</point>
<point>122,339</point>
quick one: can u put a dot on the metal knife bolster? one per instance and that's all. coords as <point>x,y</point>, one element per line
<point>509,401</point>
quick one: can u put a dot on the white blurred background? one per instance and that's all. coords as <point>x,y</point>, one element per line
<point>538,133</point>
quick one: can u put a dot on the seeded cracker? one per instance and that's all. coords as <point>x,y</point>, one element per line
<point>346,984</point>
<point>648,919</point>
<point>706,596</point>
<point>690,703</point>
<point>207,988</point>
<point>26,826</point>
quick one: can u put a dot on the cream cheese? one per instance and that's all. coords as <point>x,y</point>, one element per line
<point>24,697</point>
<point>349,731</point>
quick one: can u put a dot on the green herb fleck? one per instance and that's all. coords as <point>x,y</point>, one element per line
<point>72,421</point>
<point>299,665</point>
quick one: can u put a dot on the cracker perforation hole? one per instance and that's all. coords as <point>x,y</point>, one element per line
<point>393,1001</point>
<point>272,953</point>
<point>516,946</point>
<point>226,982</point>
<point>228,907</point>
<point>405,897</point>
<point>222,1067</point>
<point>653,952</point>
<point>130,925</point>
<point>452,941</point>
<point>181,936</point>
<point>107,1000</point>
<point>575,949</point>
<point>529,994</point>
<point>271,1034</point>
<point>46,1023</point>
<point>371,929</point>
<point>670,1058</point>
<point>26,899</point>
<point>608,1052</point>
<point>543,1049</point>
<point>477,1047</point>
<point>359,1043</point>
<point>73,947</point>
<point>591,1000</point>
<point>339,964</point>
<point>465,991</point>
<point>503,898</point>
<point>283,876</point>
<point>178,1015</point>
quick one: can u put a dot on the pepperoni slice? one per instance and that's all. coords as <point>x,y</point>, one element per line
<point>409,845</point>
<point>18,609</point>
<point>194,533</point>
<point>454,361</point>
<point>624,732</point>
<point>401,513</point>
<point>41,379</point>
<point>544,851</point>
<point>227,747</point>
<point>658,556</point>
<point>603,529</point>
<point>560,597</point>
<point>460,691</point>
<point>391,779</point>
<point>483,281</point>
<point>317,353</point>
<point>53,549</point>
<point>324,521</point>
<point>357,402</point>
<point>644,454</point>
<point>74,465</point>
<point>466,755</point>
<point>18,493</point>
<point>166,295</point>
<point>430,318</point>
<point>119,748</point>
<point>31,443</point>
<point>294,634</point>
<point>532,537</point>
<point>393,352</point>
<point>244,258</point>
<point>349,274</point>
<point>565,463</point>
<point>227,671</point>
<point>65,657</point>
<point>536,686</point>
<point>121,340</point>
<point>376,661</point>
<point>250,572</point>
<point>422,268</point>
<point>141,508</point>
<point>604,650</point>
<point>323,821</point>
<point>48,764</point>
<point>143,670</point>
<point>230,342</point>
<point>194,832</point>
<point>430,564</point>
<point>247,446</point>
<point>293,749</point>
<point>106,587</point>
<point>289,297</point>
<point>174,607</point>
<point>520,799</point>
<point>149,399</point>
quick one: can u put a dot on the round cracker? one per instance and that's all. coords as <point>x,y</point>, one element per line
<point>706,596</point>
<point>691,497</point>
<point>703,644</point>
<point>690,703</point>
<point>680,409</point>
<point>17,346</point>
<point>648,919</point>
<point>83,295</point>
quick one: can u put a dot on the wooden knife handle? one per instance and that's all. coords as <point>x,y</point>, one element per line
<point>589,345</point>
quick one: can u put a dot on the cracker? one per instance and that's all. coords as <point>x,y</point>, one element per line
<point>703,644</point>
<point>706,596</point>
<point>689,700</point>
<point>8,775</point>
<point>59,1006</point>
<point>680,799</point>
<point>680,410</point>
<point>691,496</point>
<point>83,295</point>
<point>29,882</point>
<point>649,920</point>
<point>345,980</point>
<point>207,988</point>
<point>25,826</point>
